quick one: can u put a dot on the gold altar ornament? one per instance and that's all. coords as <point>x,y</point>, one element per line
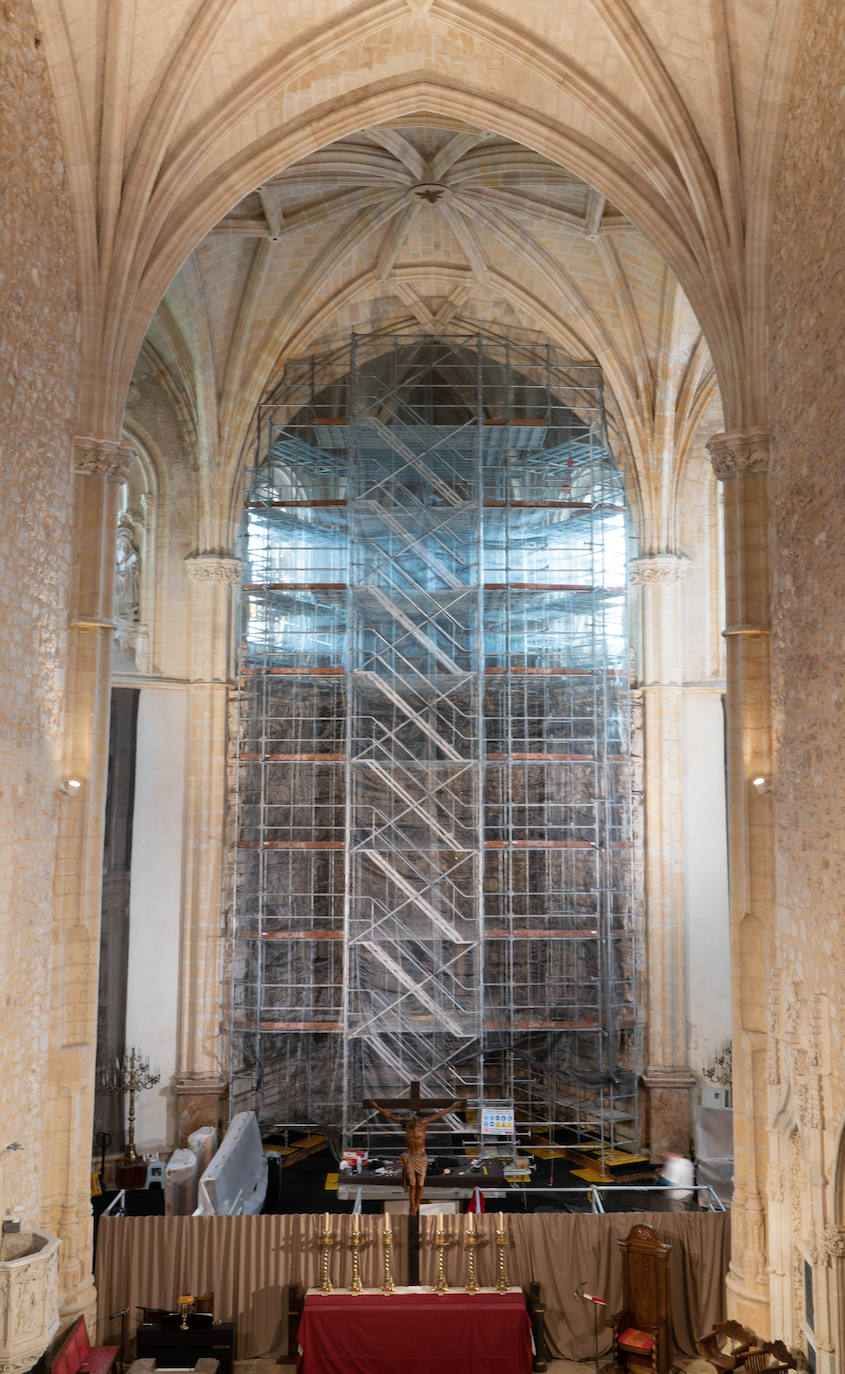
<point>185,1304</point>
<point>131,1074</point>
<point>441,1240</point>
<point>501,1241</point>
<point>325,1240</point>
<point>388,1286</point>
<point>357,1240</point>
<point>471,1239</point>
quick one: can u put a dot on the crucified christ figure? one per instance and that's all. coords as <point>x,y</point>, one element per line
<point>414,1161</point>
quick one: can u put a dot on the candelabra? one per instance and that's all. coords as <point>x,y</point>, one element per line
<point>501,1241</point>
<point>441,1240</point>
<point>471,1239</point>
<point>388,1286</point>
<point>355,1243</point>
<point>325,1240</point>
<point>130,1075</point>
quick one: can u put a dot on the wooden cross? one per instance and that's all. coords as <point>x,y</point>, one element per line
<point>414,1102</point>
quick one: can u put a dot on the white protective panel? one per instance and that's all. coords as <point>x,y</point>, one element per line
<point>203,1142</point>
<point>236,1179</point>
<point>180,1184</point>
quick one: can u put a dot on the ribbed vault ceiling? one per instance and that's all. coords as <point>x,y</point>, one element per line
<point>430,225</point>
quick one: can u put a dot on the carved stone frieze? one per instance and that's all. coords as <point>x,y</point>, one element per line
<point>657,568</point>
<point>102,458</point>
<point>213,567</point>
<point>745,450</point>
<point>774,1185</point>
<point>833,1243</point>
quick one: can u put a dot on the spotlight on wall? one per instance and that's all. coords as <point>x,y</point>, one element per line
<point>70,786</point>
<point>762,784</point>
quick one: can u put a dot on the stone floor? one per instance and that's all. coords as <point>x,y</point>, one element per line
<point>692,1366</point>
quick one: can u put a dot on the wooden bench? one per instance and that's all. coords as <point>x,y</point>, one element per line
<point>732,1346</point>
<point>76,1355</point>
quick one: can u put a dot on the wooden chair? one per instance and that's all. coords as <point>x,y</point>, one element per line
<point>205,1303</point>
<point>643,1328</point>
<point>747,1351</point>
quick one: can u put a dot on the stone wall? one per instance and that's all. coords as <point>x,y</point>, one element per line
<point>807,485</point>
<point>38,381</point>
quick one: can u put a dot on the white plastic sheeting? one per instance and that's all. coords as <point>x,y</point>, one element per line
<point>180,1184</point>
<point>236,1179</point>
<point>714,1150</point>
<point>203,1142</point>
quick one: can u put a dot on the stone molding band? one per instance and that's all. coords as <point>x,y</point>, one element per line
<point>213,567</point>
<point>102,458</point>
<point>744,450</point>
<point>655,568</point>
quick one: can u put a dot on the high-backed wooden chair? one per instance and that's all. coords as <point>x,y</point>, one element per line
<point>643,1328</point>
<point>747,1351</point>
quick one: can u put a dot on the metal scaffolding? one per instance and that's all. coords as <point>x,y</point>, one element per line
<point>434,867</point>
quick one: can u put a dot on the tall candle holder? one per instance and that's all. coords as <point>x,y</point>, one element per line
<point>388,1286</point>
<point>355,1243</point>
<point>130,1075</point>
<point>502,1285</point>
<point>471,1240</point>
<point>441,1240</point>
<point>325,1240</point>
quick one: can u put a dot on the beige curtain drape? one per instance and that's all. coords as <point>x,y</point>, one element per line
<point>247,1262</point>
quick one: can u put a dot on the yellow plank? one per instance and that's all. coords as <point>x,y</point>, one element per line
<point>590,1175</point>
<point>611,1158</point>
<point>331,1182</point>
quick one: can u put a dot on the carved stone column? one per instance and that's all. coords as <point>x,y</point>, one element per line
<point>741,460</point>
<point>668,1078</point>
<point>100,467</point>
<point>201,1084</point>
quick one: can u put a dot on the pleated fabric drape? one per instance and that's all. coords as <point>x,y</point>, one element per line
<point>247,1262</point>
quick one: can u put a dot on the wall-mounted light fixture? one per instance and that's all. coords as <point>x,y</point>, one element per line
<point>70,786</point>
<point>762,784</point>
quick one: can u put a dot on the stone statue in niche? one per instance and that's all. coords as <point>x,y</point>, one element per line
<point>126,576</point>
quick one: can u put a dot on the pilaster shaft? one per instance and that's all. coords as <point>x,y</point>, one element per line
<point>740,460</point>
<point>199,1085</point>
<point>100,467</point>
<point>659,577</point>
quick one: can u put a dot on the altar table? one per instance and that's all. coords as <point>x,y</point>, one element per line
<point>415,1332</point>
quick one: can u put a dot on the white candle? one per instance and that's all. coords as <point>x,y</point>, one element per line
<point>501,1222</point>
<point>325,1221</point>
<point>355,1220</point>
<point>470,1221</point>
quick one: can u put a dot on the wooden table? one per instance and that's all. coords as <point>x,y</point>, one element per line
<point>415,1332</point>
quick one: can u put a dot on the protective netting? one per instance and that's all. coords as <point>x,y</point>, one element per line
<point>433,869</point>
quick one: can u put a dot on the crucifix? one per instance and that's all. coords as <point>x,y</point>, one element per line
<point>414,1161</point>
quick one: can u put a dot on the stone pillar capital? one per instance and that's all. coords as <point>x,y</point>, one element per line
<point>658,568</point>
<point>102,458</point>
<point>213,567</point>
<point>743,450</point>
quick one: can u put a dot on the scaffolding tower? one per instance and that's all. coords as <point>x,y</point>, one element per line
<point>433,878</point>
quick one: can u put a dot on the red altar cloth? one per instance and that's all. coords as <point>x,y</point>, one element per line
<point>414,1333</point>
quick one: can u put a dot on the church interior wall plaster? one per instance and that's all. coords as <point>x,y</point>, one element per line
<point>39,371</point>
<point>808,486</point>
<point>155,902</point>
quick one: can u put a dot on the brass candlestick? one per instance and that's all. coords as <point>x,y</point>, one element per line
<point>325,1240</point>
<point>130,1075</point>
<point>357,1240</point>
<point>388,1286</point>
<point>441,1240</point>
<point>502,1284</point>
<point>471,1239</point>
<point>185,1305</point>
